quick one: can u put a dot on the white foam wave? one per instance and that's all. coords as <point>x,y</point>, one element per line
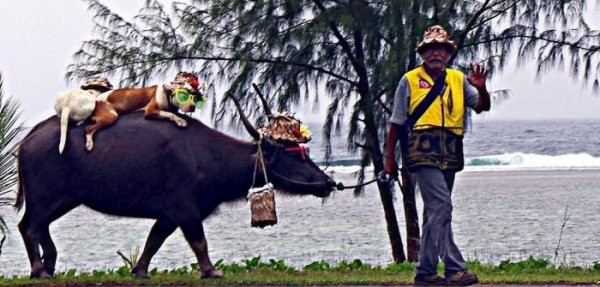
<point>512,161</point>
<point>530,161</point>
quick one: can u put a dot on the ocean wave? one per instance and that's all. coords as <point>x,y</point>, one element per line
<point>506,161</point>
<point>519,160</point>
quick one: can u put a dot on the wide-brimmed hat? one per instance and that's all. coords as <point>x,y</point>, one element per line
<point>436,35</point>
<point>285,127</point>
<point>98,83</point>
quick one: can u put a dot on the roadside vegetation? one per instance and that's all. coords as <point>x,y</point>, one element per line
<point>276,272</point>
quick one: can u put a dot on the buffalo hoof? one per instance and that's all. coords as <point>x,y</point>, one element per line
<point>139,274</point>
<point>213,273</point>
<point>50,270</point>
<point>40,275</point>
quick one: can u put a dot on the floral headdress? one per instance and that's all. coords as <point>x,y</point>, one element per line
<point>187,81</point>
<point>285,127</point>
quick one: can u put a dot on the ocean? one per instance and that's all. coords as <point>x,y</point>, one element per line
<point>529,188</point>
<point>512,145</point>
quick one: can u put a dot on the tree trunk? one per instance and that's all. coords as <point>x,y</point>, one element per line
<point>411,215</point>
<point>385,189</point>
<point>374,148</point>
<point>387,200</point>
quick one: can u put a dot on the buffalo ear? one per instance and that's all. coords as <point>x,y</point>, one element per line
<point>249,127</point>
<point>269,147</point>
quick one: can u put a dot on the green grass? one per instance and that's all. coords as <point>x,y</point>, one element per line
<point>276,272</point>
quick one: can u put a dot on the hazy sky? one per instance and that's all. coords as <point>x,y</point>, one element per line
<point>39,37</point>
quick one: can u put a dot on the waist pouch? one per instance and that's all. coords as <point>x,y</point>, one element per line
<point>435,147</point>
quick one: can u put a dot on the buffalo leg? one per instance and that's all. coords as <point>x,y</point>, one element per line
<point>194,234</point>
<point>158,234</point>
<point>48,247</point>
<point>49,250</point>
<point>35,230</point>
<point>31,237</point>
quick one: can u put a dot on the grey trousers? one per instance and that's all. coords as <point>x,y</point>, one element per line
<point>437,241</point>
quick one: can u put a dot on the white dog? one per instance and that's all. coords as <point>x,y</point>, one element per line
<point>78,104</point>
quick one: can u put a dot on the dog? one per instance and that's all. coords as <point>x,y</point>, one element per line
<point>158,102</point>
<point>78,104</point>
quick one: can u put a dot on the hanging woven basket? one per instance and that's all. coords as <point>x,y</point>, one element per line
<point>262,206</point>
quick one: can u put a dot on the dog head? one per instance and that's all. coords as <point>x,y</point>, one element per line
<point>186,93</point>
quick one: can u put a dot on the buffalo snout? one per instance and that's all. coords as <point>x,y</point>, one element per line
<point>331,183</point>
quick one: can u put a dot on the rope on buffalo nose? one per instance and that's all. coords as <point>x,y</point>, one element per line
<point>382,177</point>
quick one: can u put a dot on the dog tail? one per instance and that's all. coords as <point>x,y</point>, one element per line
<point>64,124</point>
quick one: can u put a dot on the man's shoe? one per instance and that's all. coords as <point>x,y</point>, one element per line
<point>462,278</point>
<point>429,280</point>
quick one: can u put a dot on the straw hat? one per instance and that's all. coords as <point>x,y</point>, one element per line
<point>97,83</point>
<point>436,35</point>
<point>285,127</point>
<point>185,80</point>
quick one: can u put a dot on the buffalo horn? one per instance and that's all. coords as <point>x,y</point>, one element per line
<point>263,101</point>
<point>249,127</point>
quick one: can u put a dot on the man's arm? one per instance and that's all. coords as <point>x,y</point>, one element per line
<point>396,133</point>
<point>483,102</point>
<point>397,130</point>
<point>390,165</point>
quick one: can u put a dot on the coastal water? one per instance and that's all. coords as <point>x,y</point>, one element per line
<point>530,188</point>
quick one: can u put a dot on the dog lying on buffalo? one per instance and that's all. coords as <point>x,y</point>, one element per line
<point>78,104</point>
<point>158,102</point>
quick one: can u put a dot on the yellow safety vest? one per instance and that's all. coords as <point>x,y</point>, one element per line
<point>447,111</point>
<point>436,138</point>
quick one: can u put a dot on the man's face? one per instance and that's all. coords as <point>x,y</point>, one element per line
<point>435,56</point>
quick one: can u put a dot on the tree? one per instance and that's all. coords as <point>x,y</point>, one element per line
<point>355,50</point>
<point>10,127</point>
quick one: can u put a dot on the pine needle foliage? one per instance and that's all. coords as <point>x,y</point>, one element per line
<point>350,52</point>
<point>353,51</point>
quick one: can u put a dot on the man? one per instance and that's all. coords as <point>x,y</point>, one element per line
<point>432,148</point>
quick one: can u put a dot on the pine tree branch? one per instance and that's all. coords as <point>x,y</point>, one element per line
<point>159,60</point>
<point>537,38</point>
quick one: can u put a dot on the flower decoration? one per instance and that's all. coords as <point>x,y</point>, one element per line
<point>296,132</point>
<point>186,81</point>
<point>194,82</point>
<point>305,132</point>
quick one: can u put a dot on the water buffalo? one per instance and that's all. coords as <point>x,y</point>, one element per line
<point>148,169</point>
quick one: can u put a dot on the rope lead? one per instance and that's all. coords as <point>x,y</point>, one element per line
<point>340,186</point>
<point>382,177</point>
